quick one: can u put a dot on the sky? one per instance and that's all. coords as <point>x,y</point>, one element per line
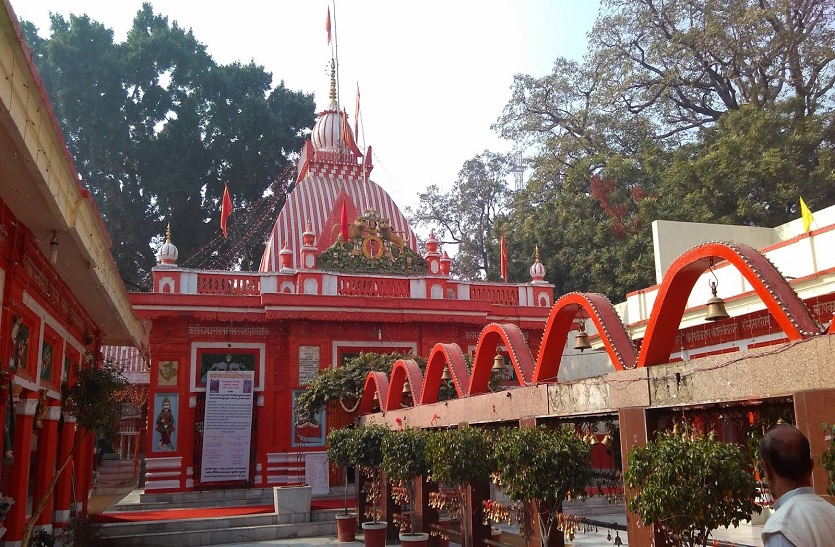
<point>433,75</point>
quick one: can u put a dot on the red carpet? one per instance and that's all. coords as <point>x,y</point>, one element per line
<point>206,512</point>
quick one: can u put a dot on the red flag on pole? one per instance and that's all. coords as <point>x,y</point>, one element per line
<point>357,114</point>
<point>328,25</point>
<point>225,208</point>
<point>345,219</point>
<point>503,252</point>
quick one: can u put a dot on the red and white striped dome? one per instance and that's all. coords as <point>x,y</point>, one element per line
<point>327,132</point>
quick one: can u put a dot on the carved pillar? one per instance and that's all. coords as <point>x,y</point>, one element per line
<point>19,487</point>
<point>45,470</point>
<point>63,488</point>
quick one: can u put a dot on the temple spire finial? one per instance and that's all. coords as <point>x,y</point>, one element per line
<point>168,233</point>
<point>333,84</point>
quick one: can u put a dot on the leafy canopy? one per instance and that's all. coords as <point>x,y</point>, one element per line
<point>690,484</point>
<point>461,456</point>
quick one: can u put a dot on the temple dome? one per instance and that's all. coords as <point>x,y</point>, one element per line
<point>168,253</point>
<point>327,132</point>
<point>537,270</point>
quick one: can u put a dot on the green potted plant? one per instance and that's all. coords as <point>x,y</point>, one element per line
<point>404,460</point>
<point>828,458</point>
<point>369,457</point>
<point>545,467</point>
<point>460,458</point>
<point>341,448</point>
<point>689,484</point>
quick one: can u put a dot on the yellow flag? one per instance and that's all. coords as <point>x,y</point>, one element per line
<point>806,215</point>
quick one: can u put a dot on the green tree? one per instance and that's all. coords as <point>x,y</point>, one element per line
<point>689,484</point>
<point>369,456</point>
<point>543,466</point>
<point>342,451</point>
<point>404,460</point>
<point>156,128</point>
<point>465,216</point>
<point>91,399</point>
<point>693,110</point>
<point>450,457</point>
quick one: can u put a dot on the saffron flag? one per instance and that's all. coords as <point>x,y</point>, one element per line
<point>503,252</point>
<point>806,215</point>
<point>348,137</point>
<point>225,209</point>
<point>345,219</point>
<point>357,114</point>
<point>328,25</point>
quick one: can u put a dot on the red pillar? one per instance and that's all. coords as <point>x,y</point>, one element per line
<point>45,470</point>
<point>811,409</point>
<point>83,461</point>
<point>634,431</point>
<point>63,489</point>
<point>19,487</point>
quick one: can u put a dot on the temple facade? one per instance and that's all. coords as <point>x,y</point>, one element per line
<point>341,274</point>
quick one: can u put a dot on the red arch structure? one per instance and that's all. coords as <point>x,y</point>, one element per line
<point>782,302</point>
<point>404,370</point>
<point>441,356</point>
<point>520,356</point>
<point>602,313</point>
<point>780,299</point>
<point>375,383</point>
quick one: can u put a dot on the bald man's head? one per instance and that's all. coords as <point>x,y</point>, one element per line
<point>786,451</point>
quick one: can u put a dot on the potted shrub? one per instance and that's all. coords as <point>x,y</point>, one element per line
<point>689,484</point>
<point>369,457</point>
<point>544,467</point>
<point>404,460</point>
<point>460,458</point>
<point>341,448</point>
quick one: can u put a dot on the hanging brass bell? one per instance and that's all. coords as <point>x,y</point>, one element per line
<point>581,341</point>
<point>446,376</point>
<point>607,440</point>
<point>499,364</point>
<point>407,388</point>
<point>715,306</point>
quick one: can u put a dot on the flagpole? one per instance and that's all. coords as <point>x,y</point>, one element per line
<point>336,53</point>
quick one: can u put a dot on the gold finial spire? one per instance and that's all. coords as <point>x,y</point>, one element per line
<point>333,82</point>
<point>168,233</point>
<point>536,253</point>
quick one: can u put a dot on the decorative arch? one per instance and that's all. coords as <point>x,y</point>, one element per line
<point>404,370</point>
<point>520,356</point>
<point>441,356</point>
<point>602,313</point>
<point>779,297</point>
<point>375,382</point>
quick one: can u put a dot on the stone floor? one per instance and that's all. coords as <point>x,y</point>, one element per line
<point>747,535</point>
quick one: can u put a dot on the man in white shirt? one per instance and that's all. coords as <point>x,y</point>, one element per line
<point>801,518</point>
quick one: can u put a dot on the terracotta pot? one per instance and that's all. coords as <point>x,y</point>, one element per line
<point>346,527</point>
<point>374,533</point>
<point>414,540</point>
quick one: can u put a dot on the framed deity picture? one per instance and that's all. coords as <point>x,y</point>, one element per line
<point>307,430</point>
<point>166,409</point>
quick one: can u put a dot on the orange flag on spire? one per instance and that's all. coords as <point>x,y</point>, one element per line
<point>348,137</point>
<point>503,252</point>
<point>328,25</point>
<point>225,208</point>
